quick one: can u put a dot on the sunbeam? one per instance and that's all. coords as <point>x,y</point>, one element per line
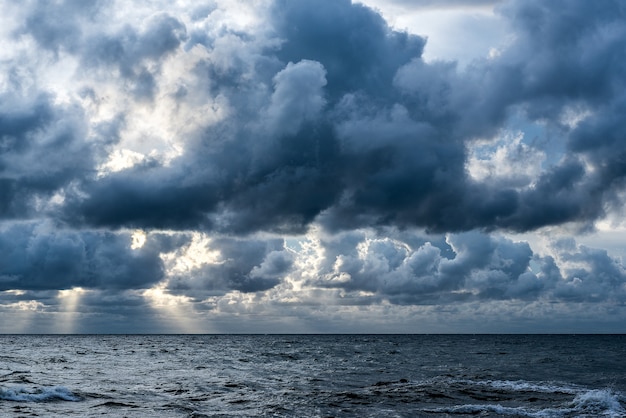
<point>69,302</point>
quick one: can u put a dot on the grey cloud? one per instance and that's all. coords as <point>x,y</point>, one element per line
<point>601,140</point>
<point>80,28</point>
<point>570,55</point>
<point>132,50</point>
<point>274,267</point>
<point>352,42</point>
<point>465,267</point>
<point>589,40</point>
<point>307,154</point>
<point>147,199</point>
<point>402,151</point>
<point>42,149</point>
<point>162,35</point>
<point>58,25</point>
<point>47,297</point>
<point>297,96</point>
<point>247,265</point>
<point>337,118</point>
<point>591,274</point>
<point>69,25</point>
<point>37,256</point>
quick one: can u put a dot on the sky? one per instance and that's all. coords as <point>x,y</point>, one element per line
<point>312,166</point>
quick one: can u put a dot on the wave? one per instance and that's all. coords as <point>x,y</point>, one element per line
<point>586,402</point>
<point>590,402</point>
<point>598,402</point>
<point>524,386</point>
<point>38,394</point>
<point>480,409</point>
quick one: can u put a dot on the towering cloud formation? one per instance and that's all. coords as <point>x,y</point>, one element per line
<point>293,117</point>
<point>336,117</point>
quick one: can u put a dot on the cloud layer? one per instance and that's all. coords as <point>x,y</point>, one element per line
<point>301,151</point>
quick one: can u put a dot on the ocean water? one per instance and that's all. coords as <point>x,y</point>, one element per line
<point>313,375</point>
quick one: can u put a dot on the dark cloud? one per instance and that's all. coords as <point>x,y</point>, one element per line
<point>37,256</point>
<point>591,274</point>
<point>143,201</point>
<point>246,265</point>
<point>160,35</point>
<point>287,149</point>
<point>466,267</point>
<point>353,43</point>
<point>480,266</point>
<point>42,149</point>
<point>354,139</point>
<point>136,53</point>
<point>57,26</point>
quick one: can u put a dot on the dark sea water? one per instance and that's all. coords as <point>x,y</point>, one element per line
<point>313,376</point>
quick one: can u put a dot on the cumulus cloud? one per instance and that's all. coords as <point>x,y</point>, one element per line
<point>245,265</point>
<point>297,98</point>
<point>352,138</point>
<point>459,268</point>
<point>590,274</point>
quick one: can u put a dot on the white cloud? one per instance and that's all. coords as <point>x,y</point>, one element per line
<point>507,161</point>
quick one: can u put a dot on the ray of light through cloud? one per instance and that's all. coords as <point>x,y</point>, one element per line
<point>69,301</point>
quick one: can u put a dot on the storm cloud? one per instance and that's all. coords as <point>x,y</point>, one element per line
<point>37,256</point>
<point>269,148</point>
<point>353,139</point>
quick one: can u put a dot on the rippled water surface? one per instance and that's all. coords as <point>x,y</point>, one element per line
<point>313,376</point>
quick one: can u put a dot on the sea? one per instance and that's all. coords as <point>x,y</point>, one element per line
<point>313,375</point>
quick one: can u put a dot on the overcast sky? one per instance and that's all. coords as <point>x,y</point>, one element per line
<point>312,166</point>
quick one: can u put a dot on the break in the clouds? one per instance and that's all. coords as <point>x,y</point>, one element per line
<point>307,166</point>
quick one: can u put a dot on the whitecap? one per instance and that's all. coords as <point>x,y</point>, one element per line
<point>598,402</point>
<point>589,403</point>
<point>525,386</point>
<point>474,409</point>
<point>42,394</point>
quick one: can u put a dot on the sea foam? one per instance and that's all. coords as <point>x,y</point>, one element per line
<point>598,402</point>
<point>586,403</point>
<point>525,386</point>
<point>22,393</point>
